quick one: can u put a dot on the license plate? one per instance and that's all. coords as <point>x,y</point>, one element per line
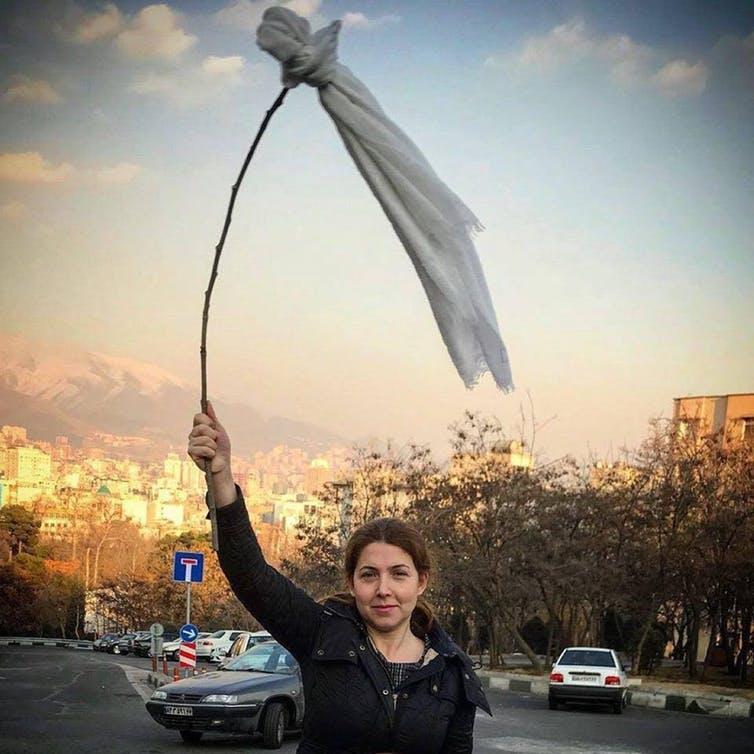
<point>180,711</point>
<point>585,677</point>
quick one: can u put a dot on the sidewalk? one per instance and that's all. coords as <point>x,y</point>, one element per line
<point>655,695</point>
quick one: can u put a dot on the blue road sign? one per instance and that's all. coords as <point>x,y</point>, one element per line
<point>188,566</point>
<point>189,632</point>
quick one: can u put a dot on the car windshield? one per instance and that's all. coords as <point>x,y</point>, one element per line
<point>592,657</point>
<point>218,634</point>
<point>269,657</point>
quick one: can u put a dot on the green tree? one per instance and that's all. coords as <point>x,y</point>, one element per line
<point>21,528</point>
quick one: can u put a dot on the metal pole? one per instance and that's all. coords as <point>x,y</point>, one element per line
<point>188,617</point>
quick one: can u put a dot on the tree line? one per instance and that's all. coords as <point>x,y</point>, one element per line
<point>645,555</point>
<point>642,555</point>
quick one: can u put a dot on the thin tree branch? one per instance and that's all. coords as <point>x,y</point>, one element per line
<point>208,293</point>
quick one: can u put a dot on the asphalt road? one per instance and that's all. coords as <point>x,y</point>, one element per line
<point>57,701</point>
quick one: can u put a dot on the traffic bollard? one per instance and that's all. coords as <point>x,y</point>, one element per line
<point>176,673</point>
<point>154,664</point>
<point>165,665</point>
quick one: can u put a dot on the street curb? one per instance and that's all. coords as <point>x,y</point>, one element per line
<point>156,679</point>
<point>21,641</point>
<point>718,706</point>
<point>699,704</point>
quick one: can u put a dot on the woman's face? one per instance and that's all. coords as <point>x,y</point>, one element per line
<point>386,586</point>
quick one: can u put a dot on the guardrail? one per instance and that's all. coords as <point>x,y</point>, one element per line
<point>32,641</point>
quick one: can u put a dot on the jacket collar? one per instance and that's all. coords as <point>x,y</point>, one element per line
<point>438,638</point>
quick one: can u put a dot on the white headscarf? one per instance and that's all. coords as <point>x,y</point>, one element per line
<point>433,224</point>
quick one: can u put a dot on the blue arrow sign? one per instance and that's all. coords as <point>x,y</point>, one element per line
<point>188,566</point>
<point>189,632</point>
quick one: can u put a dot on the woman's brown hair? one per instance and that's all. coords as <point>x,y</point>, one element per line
<point>391,531</point>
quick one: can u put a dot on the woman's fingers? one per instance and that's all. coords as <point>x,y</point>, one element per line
<point>201,440</point>
<point>202,430</point>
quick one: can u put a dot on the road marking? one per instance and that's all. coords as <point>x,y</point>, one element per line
<point>138,679</point>
<point>514,745</point>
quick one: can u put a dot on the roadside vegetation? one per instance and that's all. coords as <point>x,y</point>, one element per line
<point>648,554</point>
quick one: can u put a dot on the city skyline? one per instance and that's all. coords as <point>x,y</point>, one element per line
<point>608,151</point>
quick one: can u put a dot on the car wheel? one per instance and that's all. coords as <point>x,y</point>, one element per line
<point>176,655</point>
<point>552,704</point>
<point>191,736</point>
<point>273,729</point>
<point>618,707</point>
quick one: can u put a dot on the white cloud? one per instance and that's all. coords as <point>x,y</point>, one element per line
<point>155,32</point>
<point>219,66</point>
<point>194,86</point>
<point>627,61</point>
<point>25,89</point>
<point>247,14</point>
<point>573,41</point>
<point>154,83</point>
<point>679,78</point>
<point>31,167</point>
<point>123,172</point>
<point>95,26</point>
<point>13,211</point>
<point>359,21</point>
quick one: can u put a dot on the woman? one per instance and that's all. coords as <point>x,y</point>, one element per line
<point>380,676</point>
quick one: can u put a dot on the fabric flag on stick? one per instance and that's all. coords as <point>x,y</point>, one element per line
<point>433,224</point>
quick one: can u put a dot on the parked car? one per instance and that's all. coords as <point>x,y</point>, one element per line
<point>245,640</point>
<point>588,675</point>
<point>221,639</point>
<point>125,645</point>
<point>259,691</point>
<point>104,642</point>
<point>171,648</point>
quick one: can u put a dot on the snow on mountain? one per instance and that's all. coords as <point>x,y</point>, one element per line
<point>53,389</point>
<point>66,374</point>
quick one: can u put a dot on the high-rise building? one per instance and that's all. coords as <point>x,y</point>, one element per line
<point>731,415</point>
<point>317,475</point>
<point>28,465</point>
<point>172,467</point>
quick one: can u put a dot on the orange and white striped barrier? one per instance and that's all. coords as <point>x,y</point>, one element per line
<point>187,654</point>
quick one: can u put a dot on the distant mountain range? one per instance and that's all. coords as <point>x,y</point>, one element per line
<point>60,390</point>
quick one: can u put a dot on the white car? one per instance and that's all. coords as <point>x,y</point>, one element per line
<point>216,641</point>
<point>171,648</point>
<point>588,675</point>
<point>245,640</point>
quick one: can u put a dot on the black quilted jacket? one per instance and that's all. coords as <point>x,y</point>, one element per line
<point>350,707</point>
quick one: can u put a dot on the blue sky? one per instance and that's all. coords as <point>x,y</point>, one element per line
<point>606,146</point>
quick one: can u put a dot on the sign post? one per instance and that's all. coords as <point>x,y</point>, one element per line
<point>189,568</point>
<point>156,630</point>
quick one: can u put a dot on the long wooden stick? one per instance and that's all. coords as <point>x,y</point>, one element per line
<point>208,294</point>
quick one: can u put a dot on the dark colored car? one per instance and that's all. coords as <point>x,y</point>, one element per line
<point>105,642</point>
<point>258,692</point>
<point>142,643</point>
<point>125,645</point>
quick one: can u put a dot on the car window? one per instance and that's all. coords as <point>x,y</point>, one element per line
<point>268,657</point>
<point>592,657</point>
<point>234,635</point>
<point>218,634</point>
<point>235,648</point>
